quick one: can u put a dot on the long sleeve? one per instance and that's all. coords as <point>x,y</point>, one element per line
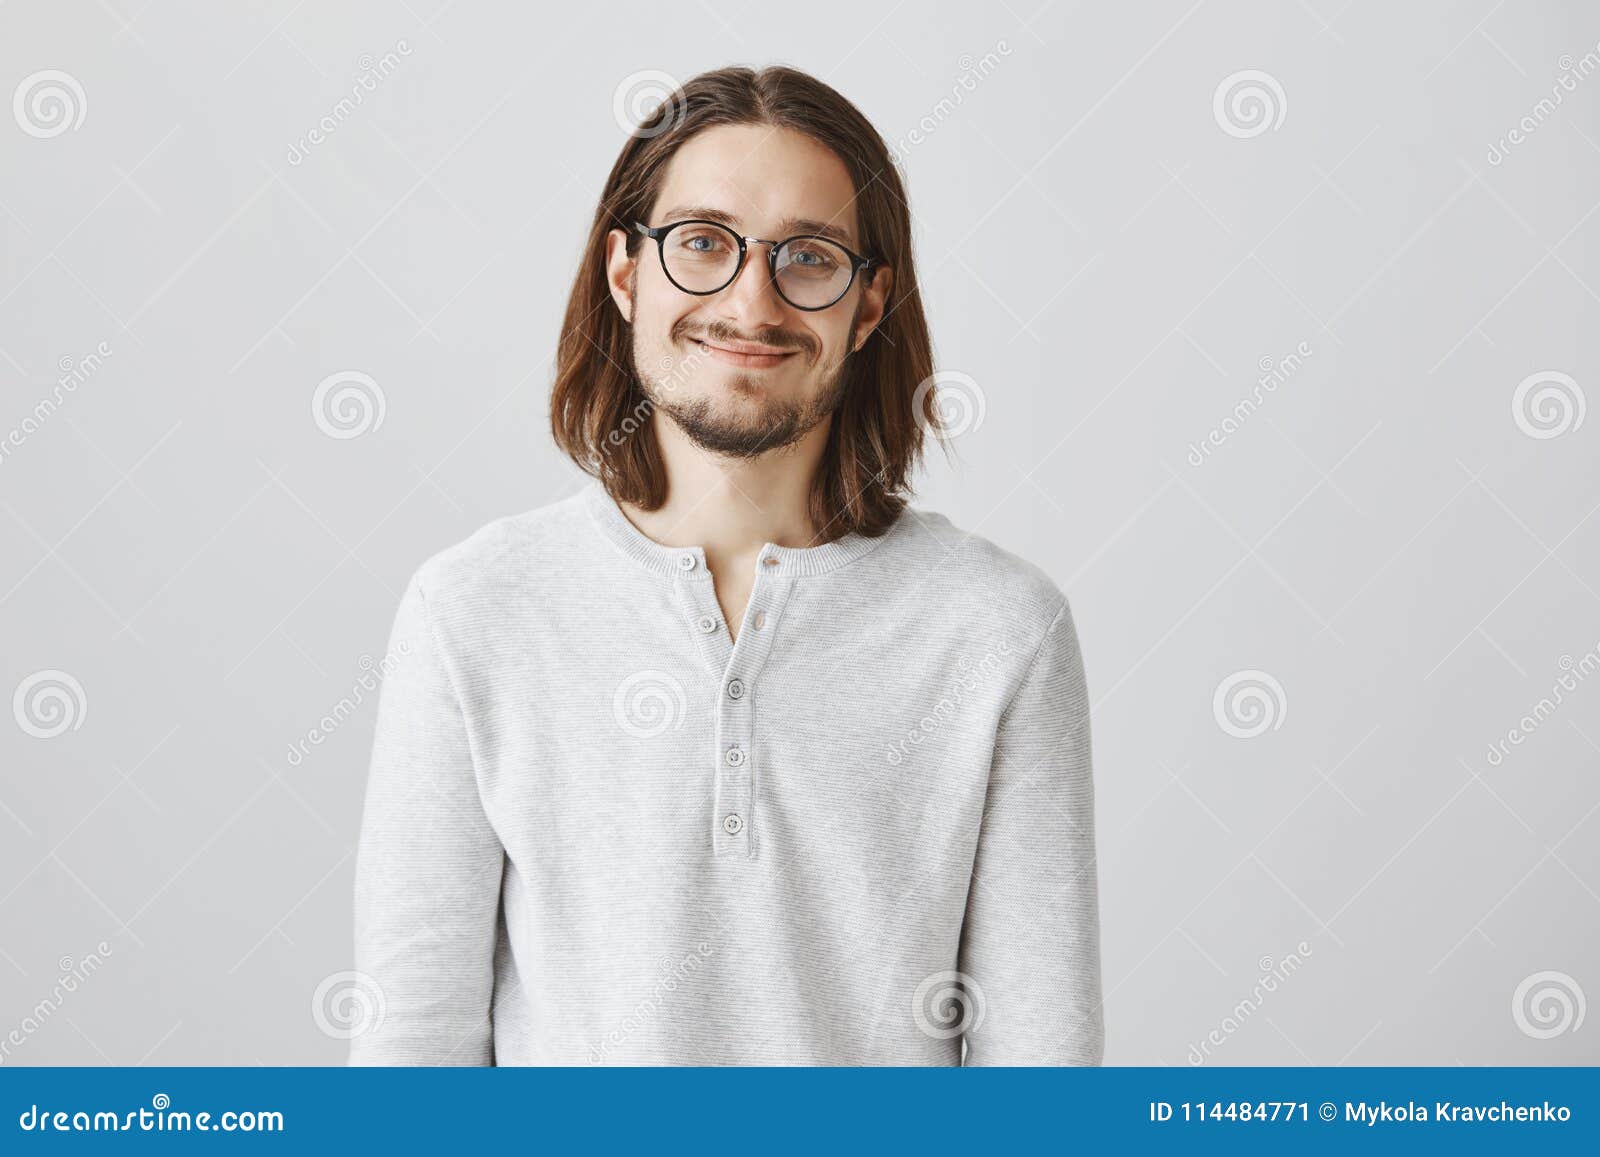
<point>1030,942</point>
<point>428,869</point>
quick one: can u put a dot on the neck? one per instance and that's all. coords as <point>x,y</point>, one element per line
<point>733,506</point>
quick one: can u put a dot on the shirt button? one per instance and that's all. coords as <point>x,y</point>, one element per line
<point>770,560</point>
<point>686,562</point>
<point>735,756</point>
<point>735,689</point>
<point>707,624</point>
<point>761,619</point>
<point>732,824</point>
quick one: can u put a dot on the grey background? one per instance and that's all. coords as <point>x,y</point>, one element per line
<point>1104,261</point>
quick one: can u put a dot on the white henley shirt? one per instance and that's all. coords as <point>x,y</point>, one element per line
<point>597,830</point>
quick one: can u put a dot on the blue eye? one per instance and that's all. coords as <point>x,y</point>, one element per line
<point>812,257</point>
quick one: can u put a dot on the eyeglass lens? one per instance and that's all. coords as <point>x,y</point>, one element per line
<point>703,258</point>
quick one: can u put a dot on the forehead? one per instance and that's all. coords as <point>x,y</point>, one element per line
<point>761,175</point>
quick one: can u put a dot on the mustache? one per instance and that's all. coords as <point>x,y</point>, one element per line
<point>776,338</point>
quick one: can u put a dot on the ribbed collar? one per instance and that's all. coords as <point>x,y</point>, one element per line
<point>669,560</point>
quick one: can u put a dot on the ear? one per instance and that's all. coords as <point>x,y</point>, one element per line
<point>874,303</point>
<point>619,272</point>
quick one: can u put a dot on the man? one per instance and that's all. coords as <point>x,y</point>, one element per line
<point>733,757</point>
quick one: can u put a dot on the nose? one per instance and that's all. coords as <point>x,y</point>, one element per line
<point>752,297</point>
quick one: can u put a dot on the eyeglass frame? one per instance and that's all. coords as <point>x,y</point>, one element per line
<point>658,234</point>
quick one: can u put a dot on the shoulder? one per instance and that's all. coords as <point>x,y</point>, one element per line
<point>965,574</point>
<point>502,555</point>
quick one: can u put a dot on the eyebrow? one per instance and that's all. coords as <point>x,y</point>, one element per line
<point>788,227</point>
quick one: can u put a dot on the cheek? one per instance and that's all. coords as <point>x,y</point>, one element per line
<point>657,311</point>
<point>833,340</point>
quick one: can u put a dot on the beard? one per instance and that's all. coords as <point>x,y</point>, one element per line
<point>730,430</point>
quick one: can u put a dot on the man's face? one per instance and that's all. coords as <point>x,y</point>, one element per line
<point>742,371</point>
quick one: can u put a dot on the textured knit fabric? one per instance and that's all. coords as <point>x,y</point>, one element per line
<point>598,830</point>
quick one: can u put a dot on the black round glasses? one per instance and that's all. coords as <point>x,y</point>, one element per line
<point>703,257</point>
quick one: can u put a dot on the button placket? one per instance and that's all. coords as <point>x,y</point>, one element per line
<point>698,597</point>
<point>738,760</point>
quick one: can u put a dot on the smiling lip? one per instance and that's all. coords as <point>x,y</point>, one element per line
<point>746,355</point>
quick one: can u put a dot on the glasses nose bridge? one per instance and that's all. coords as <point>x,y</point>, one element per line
<point>746,244</point>
<point>772,249</point>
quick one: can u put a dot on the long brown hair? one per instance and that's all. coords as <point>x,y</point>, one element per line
<point>875,439</point>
